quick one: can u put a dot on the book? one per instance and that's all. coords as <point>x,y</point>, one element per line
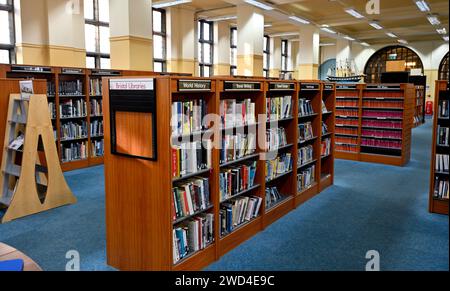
<point>237,212</point>
<point>26,89</point>
<point>305,132</point>
<point>305,107</point>
<point>278,108</point>
<point>441,188</point>
<point>275,138</point>
<point>73,130</point>
<point>324,107</point>
<point>443,135</point>
<point>71,88</point>
<point>238,146</point>
<point>235,113</point>
<point>305,155</point>
<point>273,196</point>
<point>74,151</point>
<point>442,163</point>
<point>190,158</point>
<point>278,166</point>
<point>444,109</point>
<point>188,117</point>
<point>190,197</point>
<point>233,180</point>
<point>17,143</point>
<point>306,178</point>
<point>326,147</point>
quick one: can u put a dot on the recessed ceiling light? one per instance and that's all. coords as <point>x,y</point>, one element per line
<point>423,5</point>
<point>376,25</point>
<point>354,13</point>
<point>390,34</point>
<point>299,19</point>
<point>433,19</point>
<point>329,30</point>
<point>164,4</point>
<point>222,18</point>
<point>284,34</point>
<point>365,44</point>
<point>349,38</point>
<point>258,4</point>
<point>441,30</point>
<point>268,25</point>
<point>402,41</point>
<point>328,44</point>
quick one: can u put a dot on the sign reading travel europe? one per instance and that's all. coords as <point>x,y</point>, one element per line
<point>282,87</point>
<point>131,84</point>
<point>71,71</point>
<point>242,86</point>
<point>311,86</point>
<point>343,87</point>
<point>194,85</point>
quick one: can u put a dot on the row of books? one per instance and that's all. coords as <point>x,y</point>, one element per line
<point>383,94</point>
<point>347,112</point>
<point>347,121</point>
<point>73,130</point>
<point>95,87</point>
<point>188,117</point>
<point>96,107</point>
<point>97,128</point>
<point>190,158</point>
<point>237,212</point>
<point>347,94</point>
<point>278,166</point>
<point>305,155</point>
<point>237,146</point>
<point>74,151</point>
<point>73,108</point>
<point>69,88</point>
<point>190,197</point>
<point>52,110</point>
<point>389,144</point>
<point>305,107</point>
<point>346,148</point>
<point>442,163</point>
<point>382,114</point>
<point>324,128</point>
<point>306,178</point>
<point>326,147</point>
<point>273,197</point>
<point>441,188</point>
<point>383,124</point>
<point>305,132</point>
<point>382,104</point>
<point>346,140</point>
<point>324,107</point>
<point>192,236</point>
<point>51,89</point>
<point>279,108</point>
<point>236,179</point>
<point>443,135</point>
<point>346,131</point>
<point>97,148</point>
<point>237,113</point>
<point>275,138</point>
<point>382,133</point>
<point>444,109</point>
<point>347,103</point>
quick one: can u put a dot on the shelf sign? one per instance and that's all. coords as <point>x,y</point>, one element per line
<point>134,85</point>
<point>312,86</point>
<point>328,87</point>
<point>345,87</point>
<point>242,86</point>
<point>30,69</point>
<point>71,71</point>
<point>281,86</point>
<point>105,73</point>
<point>383,87</point>
<point>194,85</point>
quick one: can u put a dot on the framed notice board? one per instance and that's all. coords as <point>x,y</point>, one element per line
<point>133,118</point>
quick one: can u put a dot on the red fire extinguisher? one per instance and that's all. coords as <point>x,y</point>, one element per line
<point>429,108</point>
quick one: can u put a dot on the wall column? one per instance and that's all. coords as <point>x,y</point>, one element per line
<point>275,58</point>
<point>131,34</point>
<point>221,49</point>
<point>182,41</point>
<point>250,27</point>
<point>308,54</point>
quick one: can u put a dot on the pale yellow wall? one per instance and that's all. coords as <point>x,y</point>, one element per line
<point>221,48</point>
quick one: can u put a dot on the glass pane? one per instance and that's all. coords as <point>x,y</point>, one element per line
<point>4,57</point>
<point>233,71</point>
<point>206,71</point>
<point>206,31</point>
<point>157,21</point>
<point>158,47</point>
<point>283,47</point>
<point>90,37</point>
<point>207,53</point>
<point>104,40</point>
<point>200,53</point>
<point>284,63</point>
<point>234,37</point>
<point>265,44</point>
<point>90,62</point>
<point>157,67</point>
<point>4,2</point>
<point>4,24</point>
<point>199,25</point>
<point>233,60</point>
<point>105,63</point>
<point>89,9</point>
<point>265,61</point>
<point>103,10</point>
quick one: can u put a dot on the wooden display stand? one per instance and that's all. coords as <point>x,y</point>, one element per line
<point>355,100</point>
<point>139,214</point>
<point>19,184</point>
<point>437,205</point>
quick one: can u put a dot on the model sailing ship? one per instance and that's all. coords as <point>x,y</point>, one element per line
<point>345,71</point>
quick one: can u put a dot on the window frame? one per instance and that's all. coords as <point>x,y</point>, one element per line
<point>11,48</point>
<point>443,68</point>
<point>201,41</point>
<point>97,55</point>
<point>284,55</point>
<point>266,66</point>
<point>233,46</point>
<point>162,34</point>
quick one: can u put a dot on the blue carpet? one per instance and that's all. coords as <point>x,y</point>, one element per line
<point>371,207</point>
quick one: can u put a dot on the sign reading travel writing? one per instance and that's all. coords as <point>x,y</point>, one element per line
<point>242,86</point>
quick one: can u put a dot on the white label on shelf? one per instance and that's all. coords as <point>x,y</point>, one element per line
<point>131,84</point>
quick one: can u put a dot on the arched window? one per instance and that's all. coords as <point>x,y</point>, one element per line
<point>377,62</point>
<point>443,68</point>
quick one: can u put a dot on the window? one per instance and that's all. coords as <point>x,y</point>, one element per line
<point>266,56</point>
<point>284,56</point>
<point>205,47</point>
<point>443,68</point>
<point>7,38</point>
<point>159,40</point>
<point>233,51</point>
<point>377,63</point>
<point>96,14</point>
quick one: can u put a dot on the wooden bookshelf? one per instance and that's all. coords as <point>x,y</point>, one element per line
<point>328,117</point>
<point>55,76</point>
<point>385,120</point>
<point>437,205</point>
<point>419,109</point>
<point>140,223</point>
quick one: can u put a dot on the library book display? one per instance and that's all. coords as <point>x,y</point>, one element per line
<point>439,180</point>
<point>196,166</point>
<point>374,122</point>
